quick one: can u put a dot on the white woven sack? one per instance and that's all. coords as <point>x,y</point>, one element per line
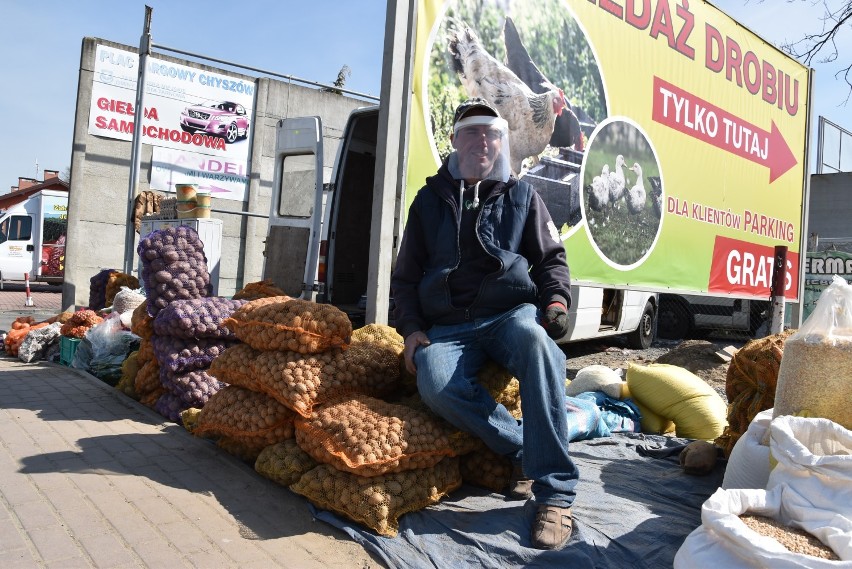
<point>126,300</point>
<point>724,541</point>
<point>748,465</point>
<point>814,472</point>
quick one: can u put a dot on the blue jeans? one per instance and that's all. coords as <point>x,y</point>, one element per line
<point>447,382</point>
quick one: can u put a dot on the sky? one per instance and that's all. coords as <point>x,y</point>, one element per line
<point>40,43</point>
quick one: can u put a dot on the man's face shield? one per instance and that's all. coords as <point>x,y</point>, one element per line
<point>481,149</point>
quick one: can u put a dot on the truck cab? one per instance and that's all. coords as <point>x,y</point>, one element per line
<point>341,245</point>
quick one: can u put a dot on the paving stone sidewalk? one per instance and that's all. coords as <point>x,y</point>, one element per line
<point>90,478</point>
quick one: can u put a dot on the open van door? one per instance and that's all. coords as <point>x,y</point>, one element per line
<point>296,208</point>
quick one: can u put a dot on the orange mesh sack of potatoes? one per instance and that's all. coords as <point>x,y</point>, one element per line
<point>114,283</point>
<point>378,502</point>
<point>369,437</point>
<point>146,352</point>
<point>261,289</point>
<point>79,323</point>
<point>302,381</point>
<point>147,378</point>
<point>141,323</point>
<point>485,468</point>
<point>248,417</point>
<point>284,462</point>
<point>284,323</point>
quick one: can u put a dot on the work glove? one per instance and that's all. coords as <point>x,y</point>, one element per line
<point>555,320</point>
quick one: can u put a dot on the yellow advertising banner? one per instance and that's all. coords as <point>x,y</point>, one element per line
<point>668,141</point>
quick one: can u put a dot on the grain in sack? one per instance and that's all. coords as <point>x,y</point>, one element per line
<point>284,323</point>
<point>816,370</point>
<point>302,381</point>
<point>369,437</point>
<point>378,502</point>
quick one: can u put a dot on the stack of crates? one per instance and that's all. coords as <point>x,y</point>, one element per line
<point>67,349</point>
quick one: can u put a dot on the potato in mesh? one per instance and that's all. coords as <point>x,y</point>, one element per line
<point>460,442</point>
<point>170,406</point>
<point>115,281</point>
<point>173,266</point>
<point>502,386</point>
<point>379,501</point>
<point>182,355</point>
<point>485,468</point>
<point>150,399</point>
<point>194,387</point>
<point>249,416</point>
<point>148,379</point>
<point>284,462</point>
<point>79,323</point>
<point>129,369</point>
<point>368,436</point>
<point>146,352</point>
<point>285,323</point>
<point>260,289</point>
<point>301,381</point>
<point>196,318</point>
<point>141,322</point>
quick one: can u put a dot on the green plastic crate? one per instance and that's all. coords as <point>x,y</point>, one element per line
<point>67,349</point>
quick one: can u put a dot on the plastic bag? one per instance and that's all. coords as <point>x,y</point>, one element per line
<point>814,376</point>
<point>110,347</point>
<point>37,342</point>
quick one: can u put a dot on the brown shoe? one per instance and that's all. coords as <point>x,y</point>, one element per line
<point>552,527</point>
<point>520,486</point>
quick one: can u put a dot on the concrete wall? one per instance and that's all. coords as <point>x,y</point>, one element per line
<point>830,205</point>
<point>100,173</point>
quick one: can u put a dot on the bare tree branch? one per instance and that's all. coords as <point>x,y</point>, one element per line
<point>836,19</point>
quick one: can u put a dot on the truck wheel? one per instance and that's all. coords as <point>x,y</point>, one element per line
<point>643,336</point>
<point>675,319</point>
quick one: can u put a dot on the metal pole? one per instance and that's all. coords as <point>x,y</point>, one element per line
<point>779,275</point>
<point>136,145</point>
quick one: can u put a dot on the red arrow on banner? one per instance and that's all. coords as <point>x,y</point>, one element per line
<point>692,115</point>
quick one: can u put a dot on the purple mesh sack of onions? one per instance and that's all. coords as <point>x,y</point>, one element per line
<point>169,406</point>
<point>173,267</point>
<point>197,318</point>
<point>183,355</point>
<point>193,388</point>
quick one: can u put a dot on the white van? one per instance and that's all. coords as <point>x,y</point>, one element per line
<point>325,230</point>
<point>32,238</point>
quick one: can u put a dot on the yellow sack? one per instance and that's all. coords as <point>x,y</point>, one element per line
<point>678,394</point>
<point>653,424</point>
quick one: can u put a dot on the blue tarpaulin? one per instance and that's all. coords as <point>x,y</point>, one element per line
<point>634,508</point>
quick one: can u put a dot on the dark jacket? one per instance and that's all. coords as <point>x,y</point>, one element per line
<point>513,226</point>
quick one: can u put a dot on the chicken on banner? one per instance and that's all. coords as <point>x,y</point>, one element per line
<point>668,141</point>
<point>198,121</point>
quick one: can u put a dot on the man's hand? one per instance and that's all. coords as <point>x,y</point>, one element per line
<point>412,342</point>
<point>555,320</point>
